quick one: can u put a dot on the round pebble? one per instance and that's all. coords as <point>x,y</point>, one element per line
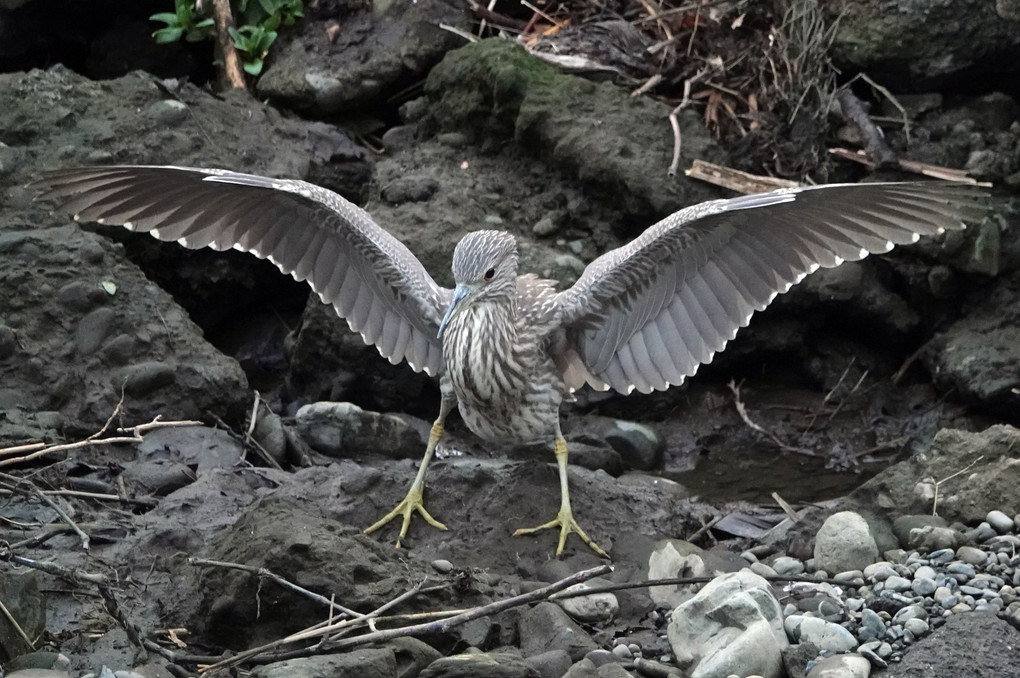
<point>1000,522</point>
<point>787,566</point>
<point>970,555</point>
<point>897,583</point>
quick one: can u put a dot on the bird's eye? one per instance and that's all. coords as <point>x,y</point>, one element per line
<point>489,275</point>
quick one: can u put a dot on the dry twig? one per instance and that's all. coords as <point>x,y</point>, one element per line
<point>263,572</point>
<point>938,483</point>
<point>134,434</point>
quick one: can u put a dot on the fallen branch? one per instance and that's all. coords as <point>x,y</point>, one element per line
<point>445,625</point>
<point>232,75</point>
<point>16,485</point>
<point>874,141</point>
<point>914,167</point>
<point>938,483</point>
<point>263,572</point>
<point>742,411</point>
<point>675,124</point>
<point>134,434</point>
<point>736,180</point>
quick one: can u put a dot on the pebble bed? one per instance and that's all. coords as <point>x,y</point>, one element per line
<point>890,604</point>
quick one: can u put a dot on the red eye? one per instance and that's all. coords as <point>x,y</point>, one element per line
<point>489,275</point>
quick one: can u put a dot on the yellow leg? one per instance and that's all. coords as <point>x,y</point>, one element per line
<point>565,518</point>
<point>413,501</point>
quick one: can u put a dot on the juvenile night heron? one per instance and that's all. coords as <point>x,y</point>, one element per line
<point>509,348</point>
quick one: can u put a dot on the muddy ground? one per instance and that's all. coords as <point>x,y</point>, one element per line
<point>853,370</point>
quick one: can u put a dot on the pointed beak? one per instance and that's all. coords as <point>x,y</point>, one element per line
<point>459,294</point>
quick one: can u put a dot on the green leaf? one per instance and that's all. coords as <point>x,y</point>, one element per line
<point>165,17</point>
<point>109,287</point>
<point>169,34</point>
<point>253,67</point>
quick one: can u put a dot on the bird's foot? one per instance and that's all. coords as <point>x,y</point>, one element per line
<point>565,521</point>
<point>406,508</point>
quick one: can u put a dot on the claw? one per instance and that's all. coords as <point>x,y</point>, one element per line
<point>565,521</point>
<point>411,503</point>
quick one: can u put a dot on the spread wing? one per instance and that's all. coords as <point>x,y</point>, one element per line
<point>647,315</point>
<point>372,280</point>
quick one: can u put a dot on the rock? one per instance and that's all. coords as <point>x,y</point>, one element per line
<point>382,47</point>
<point>785,565</point>
<point>677,558</point>
<point>344,429</point>
<point>551,664</point>
<point>481,665</point>
<point>595,607</point>
<point>412,655</point>
<point>149,671</point>
<point>904,525</point>
<point>269,433</point>
<point>582,669</point>
<point>826,636</point>
<point>978,354</point>
<point>360,663</point>
<point>796,659</point>
<point>843,666</point>
<point>39,660</point>
<point>872,626</point>
<point>639,446</point>
<point>971,555</point>
<point>916,45</point>
<point>19,592</point>
<point>547,627</point>
<point>989,482</point>
<point>733,625</point>
<point>844,543</point>
<point>292,535</point>
<point>1000,522</point>
<point>918,627</point>
<point>966,645</point>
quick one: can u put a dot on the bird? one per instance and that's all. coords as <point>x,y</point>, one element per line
<point>509,347</point>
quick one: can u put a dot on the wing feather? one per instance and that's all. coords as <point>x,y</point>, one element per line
<point>371,279</point>
<point>647,314</point>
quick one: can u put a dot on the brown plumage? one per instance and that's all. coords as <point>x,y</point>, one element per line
<point>508,348</point>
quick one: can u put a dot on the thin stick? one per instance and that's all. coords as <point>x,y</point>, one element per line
<point>144,501</point>
<point>742,411</point>
<point>135,435</point>
<point>787,509</point>
<point>874,143</point>
<point>17,626</point>
<point>314,631</point>
<point>938,483</point>
<point>232,75</point>
<point>263,572</point>
<point>445,625</point>
<point>33,491</point>
<point>675,124</point>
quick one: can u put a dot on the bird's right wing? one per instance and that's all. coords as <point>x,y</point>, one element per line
<point>369,277</point>
<point>646,315</point>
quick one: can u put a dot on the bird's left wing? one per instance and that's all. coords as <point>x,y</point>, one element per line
<point>372,280</point>
<point>647,315</point>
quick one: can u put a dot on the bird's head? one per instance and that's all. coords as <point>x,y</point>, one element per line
<point>484,267</point>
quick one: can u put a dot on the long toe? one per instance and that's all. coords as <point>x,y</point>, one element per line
<point>406,508</point>
<point>565,521</point>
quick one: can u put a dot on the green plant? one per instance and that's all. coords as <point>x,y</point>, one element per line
<point>182,23</point>
<point>257,21</point>
<point>253,42</point>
